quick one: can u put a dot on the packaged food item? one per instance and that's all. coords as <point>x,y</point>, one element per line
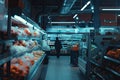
<point>27,31</point>
<point>45,46</point>
<point>18,49</point>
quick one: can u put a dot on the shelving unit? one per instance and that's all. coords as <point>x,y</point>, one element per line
<point>83,53</point>
<point>67,41</point>
<point>103,59</point>
<point>82,65</point>
<point>9,37</point>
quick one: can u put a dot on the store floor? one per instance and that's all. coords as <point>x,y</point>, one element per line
<point>60,69</point>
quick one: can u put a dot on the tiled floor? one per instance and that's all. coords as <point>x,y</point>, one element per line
<point>60,69</point>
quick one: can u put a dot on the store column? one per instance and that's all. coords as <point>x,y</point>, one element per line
<point>44,22</point>
<point>96,14</point>
<point>96,25</point>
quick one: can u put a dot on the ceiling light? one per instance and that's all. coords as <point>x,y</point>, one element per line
<point>110,9</point>
<point>75,15</point>
<point>85,5</point>
<point>30,25</point>
<point>20,19</point>
<point>92,7</point>
<point>61,22</point>
<point>119,15</point>
<point>77,18</point>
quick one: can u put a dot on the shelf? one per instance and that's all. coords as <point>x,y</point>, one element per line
<point>36,68</point>
<point>99,75</point>
<point>20,38</point>
<point>112,59</point>
<point>82,60</point>
<point>93,62</point>
<point>26,38</point>
<point>6,58</point>
<point>82,65</point>
<point>113,71</point>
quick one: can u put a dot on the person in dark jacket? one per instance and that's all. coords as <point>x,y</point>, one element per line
<point>58,46</point>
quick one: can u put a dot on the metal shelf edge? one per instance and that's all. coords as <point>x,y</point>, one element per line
<point>99,75</point>
<point>113,71</point>
<point>95,63</point>
<point>35,67</point>
<point>112,59</point>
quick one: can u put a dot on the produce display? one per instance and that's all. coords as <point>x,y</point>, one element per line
<point>20,49</point>
<point>20,67</point>
<point>100,74</point>
<point>17,31</point>
<point>114,53</point>
<point>22,45</point>
<point>75,47</point>
<point>20,29</point>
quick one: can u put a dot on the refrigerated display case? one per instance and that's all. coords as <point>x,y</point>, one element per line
<point>83,53</point>
<point>21,53</point>
<point>67,41</point>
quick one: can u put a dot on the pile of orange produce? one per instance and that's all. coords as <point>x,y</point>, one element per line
<point>20,67</point>
<point>114,53</point>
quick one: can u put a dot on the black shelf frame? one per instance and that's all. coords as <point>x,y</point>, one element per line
<point>99,75</point>
<point>112,71</point>
<point>95,63</point>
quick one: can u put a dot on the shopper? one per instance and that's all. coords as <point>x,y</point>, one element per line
<point>58,46</point>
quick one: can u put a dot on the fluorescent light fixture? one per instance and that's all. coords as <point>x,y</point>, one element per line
<point>61,22</point>
<point>77,18</point>
<point>76,30</point>
<point>29,25</point>
<point>75,15</point>
<point>85,5</point>
<point>92,7</point>
<point>119,15</point>
<point>20,19</point>
<point>110,9</point>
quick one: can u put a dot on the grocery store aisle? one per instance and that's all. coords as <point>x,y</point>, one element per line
<point>60,69</point>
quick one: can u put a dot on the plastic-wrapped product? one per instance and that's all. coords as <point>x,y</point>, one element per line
<point>29,57</point>
<point>20,32</point>
<point>18,49</point>
<point>30,44</point>
<point>22,43</point>
<point>45,46</point>
<point>27,31</point>
<point>14,61</point>
<point>36,34</point>
<point>14,31</point>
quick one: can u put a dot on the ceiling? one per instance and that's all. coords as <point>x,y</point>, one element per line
<point>68,6</point>
<point>64,10</point>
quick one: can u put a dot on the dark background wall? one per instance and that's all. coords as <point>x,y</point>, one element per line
<point>27,8</point>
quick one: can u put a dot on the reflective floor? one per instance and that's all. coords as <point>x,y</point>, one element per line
<point>60,69</point>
